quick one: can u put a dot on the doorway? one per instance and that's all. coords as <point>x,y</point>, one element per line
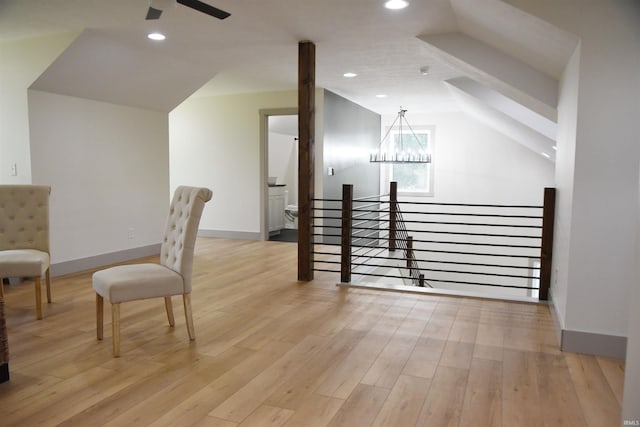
<point>280,174</point>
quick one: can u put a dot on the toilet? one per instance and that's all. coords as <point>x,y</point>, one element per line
<point>291,217</point>
<point>290,213</point>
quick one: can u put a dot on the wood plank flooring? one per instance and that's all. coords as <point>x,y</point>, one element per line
<point>271,351</point>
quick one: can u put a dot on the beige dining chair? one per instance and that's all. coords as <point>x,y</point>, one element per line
<point>24,236</point>
<point>172,276</point>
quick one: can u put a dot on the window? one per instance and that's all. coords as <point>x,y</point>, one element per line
<point>414,179</point>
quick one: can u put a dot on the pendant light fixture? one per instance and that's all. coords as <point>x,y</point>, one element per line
<point>400,151</point>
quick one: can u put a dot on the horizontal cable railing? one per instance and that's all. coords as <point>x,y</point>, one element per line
<point>457,246</point>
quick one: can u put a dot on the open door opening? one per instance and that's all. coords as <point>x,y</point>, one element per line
<point>280,174</point>
<point>282,181</point>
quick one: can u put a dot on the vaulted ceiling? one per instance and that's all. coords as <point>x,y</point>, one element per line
<point>484,57</point>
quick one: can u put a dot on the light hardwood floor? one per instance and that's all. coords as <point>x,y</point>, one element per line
<point>274,352</point>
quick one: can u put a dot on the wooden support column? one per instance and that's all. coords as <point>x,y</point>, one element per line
<point>306,143</point>
<point>546,250</point>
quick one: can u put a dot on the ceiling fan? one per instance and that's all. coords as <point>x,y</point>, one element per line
<point>157,6</point>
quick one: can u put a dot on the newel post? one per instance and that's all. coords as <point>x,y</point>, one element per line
<point>393,214</point>
<point>409,251</point>
<point>345,243</point>
<point>546,250</point>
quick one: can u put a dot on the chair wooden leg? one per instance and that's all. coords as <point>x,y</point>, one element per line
<point>1,287</point>
<point>115,325</point>
<point>38,289</point>
<point>169,306</point>
<point>187,313</point>
<point>48,283</point>
<point>99,316</point>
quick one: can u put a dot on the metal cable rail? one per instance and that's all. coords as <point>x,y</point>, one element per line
<point>377,229</point>
<point>458,233</point>
<point>468,253</point>
<point>477,205</point>
<point>482,224</point>
<point>458,214</point>
<point>451,262</point>
<point>447,242</point>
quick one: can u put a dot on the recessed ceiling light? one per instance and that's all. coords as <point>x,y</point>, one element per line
<point>424,71</point>
<point>555,148</point>
<point>349,74</point>
<point>381,95</point>
<point>396,4</point>
<point>546,155</point>
<point>156,36</point>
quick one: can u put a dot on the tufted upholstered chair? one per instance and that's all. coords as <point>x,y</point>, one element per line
<point>171,277</point>
<point>24,236</point>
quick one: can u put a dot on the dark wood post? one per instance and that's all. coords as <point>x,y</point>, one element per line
<point>306,143</point>
<point>421,280</point>
<point>409,252</point>
<point>345,242</point>
<point>393,214</point>
<point>546,250</point>
<point>4,343</point>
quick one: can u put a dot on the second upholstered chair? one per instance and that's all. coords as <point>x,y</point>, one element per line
<point>172,276</point>
<point>24,236</point>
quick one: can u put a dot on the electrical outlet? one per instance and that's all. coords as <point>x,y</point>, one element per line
<point>14,169</point>
<point>131,233</point>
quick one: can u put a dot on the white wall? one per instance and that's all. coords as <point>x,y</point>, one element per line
<point>565,155</point>
<point>215,142</point>
<point>475,164</point>
<point>606,169</point>
<point>604,205</point>
<point>631,401</point>
<point>495,69</point>
<point>283,163</point>
<point>22,61</point>
<point>108,166</point>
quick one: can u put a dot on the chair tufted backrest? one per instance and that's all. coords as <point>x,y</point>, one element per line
<point>181,230</point>
<point>24,217</point>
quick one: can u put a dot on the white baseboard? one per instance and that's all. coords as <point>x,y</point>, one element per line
<point>236,235</point>
<point>594,344</point>
<point>97,261</point>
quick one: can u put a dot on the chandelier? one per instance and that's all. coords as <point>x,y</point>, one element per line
<point>400,151</point>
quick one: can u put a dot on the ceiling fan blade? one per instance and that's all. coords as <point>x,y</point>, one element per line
<point>205,8</point>
<point>153,13</point>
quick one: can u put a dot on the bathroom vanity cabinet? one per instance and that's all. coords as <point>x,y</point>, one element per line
<point>276,208</point>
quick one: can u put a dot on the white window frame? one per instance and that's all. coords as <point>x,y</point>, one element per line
<point>386,168</point>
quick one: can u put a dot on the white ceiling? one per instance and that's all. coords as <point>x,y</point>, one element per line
<point>256,49</point>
